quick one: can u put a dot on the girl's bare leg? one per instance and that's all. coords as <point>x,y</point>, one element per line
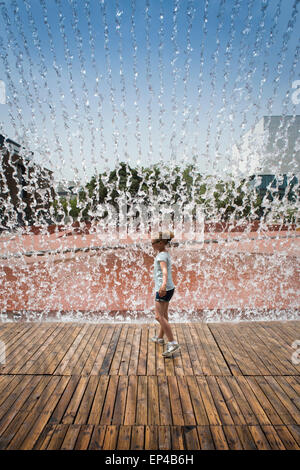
<point>165,314</point>
<point>160,311</point>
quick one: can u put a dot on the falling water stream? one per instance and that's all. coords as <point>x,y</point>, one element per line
<point>122,118</point>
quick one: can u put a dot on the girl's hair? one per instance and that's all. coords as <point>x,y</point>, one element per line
<point>166,236</point>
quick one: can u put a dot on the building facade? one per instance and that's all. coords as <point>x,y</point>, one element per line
<point>270,147</point>
<point>26,188</point>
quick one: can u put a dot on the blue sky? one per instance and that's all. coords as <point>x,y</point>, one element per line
<point>92,82</point>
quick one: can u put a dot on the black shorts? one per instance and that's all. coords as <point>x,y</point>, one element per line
<point>165,298</point>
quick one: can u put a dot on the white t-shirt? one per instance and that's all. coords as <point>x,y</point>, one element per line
<point>158,275</point>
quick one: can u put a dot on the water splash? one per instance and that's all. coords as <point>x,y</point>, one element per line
<point>139,106</point>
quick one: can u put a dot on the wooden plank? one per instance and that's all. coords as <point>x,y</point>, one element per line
<point>265,346</point>
<point>258,385</point>
<point>106,364</point>
<point>125,360</point>
<point>177,438</point>
<point>164,401</point>
<point>85,349</point>
<point>225,346</point>
<point>218,365</point>
<point>124,438</point>
<point>206,441</point>
<point>219,402</point>
<point>289,412</point>
<point>98,337</point>
<point>255,350</point>
<point>238,393</point>
<point>197,401</point>
<point>153,401</point>
<point>99,399</point>
<point>232,437</point>
<point>177,358</point>
<point>208,402</point>
<point>9,410</point>
<point>242,358</point>
<point>22,351</point>
<point>201,347</point>
<point>194,359</point>
<point>77,336</point>
<point>74,403</point>
<point>287,437</point>
<point>186,403</point>
<point>142,401</point>
<point>43,361</point>
<point>166,410</point>
<point>61,346</point>
<point>204,367</point>
<point>111,437</point>
<point>273,438</point>
<point>12,341</point>
<point>284,335</point>
<point>130,411</point>
<point>246,438</point>
<point>39,415</point>
<point>63,403</point>
<point>164,438</point>
<point>97,438</point>
<point>71,437</point>
<point>277,345</point>
<point>259,438</point>
<point>44,438</point>
<point>142,357</point>
<point>76,363</point>
<point>219,437</point>
<point>230,401</point>
<point>291,387</point>
<point>176,409</point>
<point>17,416</point>
<point>160,361</point>
<point>84,437</point>
<point>57,437</point>
<point>137,438</point>
<point>108,407</point>
<point>37,361</point>
<point>186,361</point>
<point>151,356</point>
<point>116,361</point>
<point>108,333</point>
<point>135,351</point>
<point>191,438</point>
<point>82,414</point>
<point>253,401</point>
<point>169,364</point>
<point>151,437</point>
<point>4,382</point>
<point>10,383</point>
<point>120,403</point>
<point>294,430</point>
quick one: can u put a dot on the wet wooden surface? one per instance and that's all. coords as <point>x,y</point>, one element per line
<point>107,386</point>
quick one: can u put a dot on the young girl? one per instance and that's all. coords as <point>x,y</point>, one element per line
<point>164,288</point>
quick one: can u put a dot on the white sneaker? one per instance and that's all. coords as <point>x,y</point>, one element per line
<point>171,348</point>
<point>158,340</point>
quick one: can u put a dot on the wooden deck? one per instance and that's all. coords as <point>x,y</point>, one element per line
<point>106,386</point>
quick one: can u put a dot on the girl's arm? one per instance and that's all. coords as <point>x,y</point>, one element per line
<point>163,287</point>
